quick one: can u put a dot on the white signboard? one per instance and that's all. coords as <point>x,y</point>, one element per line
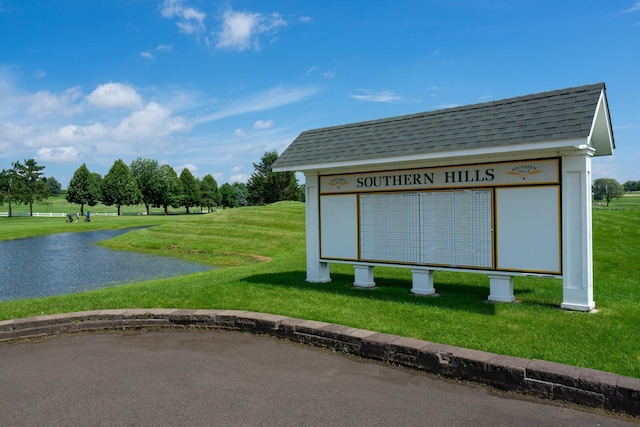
<point>511,223</point>
<point>527,172</point>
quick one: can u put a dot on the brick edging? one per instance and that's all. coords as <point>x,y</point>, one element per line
<point>538,378</point>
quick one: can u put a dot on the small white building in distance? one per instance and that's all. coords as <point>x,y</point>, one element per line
<point>500,188</point>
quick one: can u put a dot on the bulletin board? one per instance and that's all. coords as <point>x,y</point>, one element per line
<point>528,229</point>
<point>339,227</point>
<point>449,228</point>
<point>514,224</point>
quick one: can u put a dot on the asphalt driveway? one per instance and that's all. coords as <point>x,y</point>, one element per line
<point>231,378</point>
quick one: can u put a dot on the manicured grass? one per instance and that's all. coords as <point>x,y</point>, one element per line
<point>628,201</point>
<point>264,251</point>
<point>60,205</point>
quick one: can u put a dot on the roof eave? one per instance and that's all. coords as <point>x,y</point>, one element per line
<point>525,150</point>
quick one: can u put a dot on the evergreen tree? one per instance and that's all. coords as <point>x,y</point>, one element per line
<point>191,195</point>
<point>7,178</point>
<point>54,186</point>
<point>119,187</point>
<point>32,187</point>
<point>210,193</point>
<point>83,188</point>
<point>265,186</point>
<point>228,196</point>
<point>241,193</point>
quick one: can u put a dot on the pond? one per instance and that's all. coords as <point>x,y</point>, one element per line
<point>65,263</point>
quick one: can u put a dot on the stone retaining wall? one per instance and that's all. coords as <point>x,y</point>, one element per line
<point>527,376</point>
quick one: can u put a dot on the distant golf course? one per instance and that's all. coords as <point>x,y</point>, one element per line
<point>263,252</point>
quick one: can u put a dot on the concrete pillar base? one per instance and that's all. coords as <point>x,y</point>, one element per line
<point>422,283</point>
<point>363,276</point>
<point>501,288</point>
<point>319,274</point>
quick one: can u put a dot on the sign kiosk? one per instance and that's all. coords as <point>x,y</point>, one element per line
<point>500,188</point>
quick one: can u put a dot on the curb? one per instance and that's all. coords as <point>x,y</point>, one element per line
<point>548,380</point>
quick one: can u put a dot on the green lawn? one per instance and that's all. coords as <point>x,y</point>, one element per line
<point>58,204</point>
<point>264,252</point>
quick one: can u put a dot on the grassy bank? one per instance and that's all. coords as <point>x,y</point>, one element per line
<point>263,248</point>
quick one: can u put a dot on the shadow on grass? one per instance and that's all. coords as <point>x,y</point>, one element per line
<point>452,296</point>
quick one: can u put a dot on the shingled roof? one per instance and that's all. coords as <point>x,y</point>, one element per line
<point>566,114</point>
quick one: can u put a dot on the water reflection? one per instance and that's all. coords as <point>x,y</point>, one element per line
<point>71,262</point>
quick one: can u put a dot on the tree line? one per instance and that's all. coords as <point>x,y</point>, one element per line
<point>147,181</point>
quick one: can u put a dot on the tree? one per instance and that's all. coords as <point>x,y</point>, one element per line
<point>170,189</point>
<point>83,188</point>
<point>54,186</point>
<point>228,196</point>
<point>631,186</point>
<point>7,193</point>
<point>241,193</point>
<point>147,175</point>
<point>119,187</point>
<point>210,193</point>
<point>190,189</point>
<point>265,186</point>
<point>606,189</point>
<point>33,188</point>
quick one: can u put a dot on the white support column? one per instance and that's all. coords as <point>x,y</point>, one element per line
<point>422,283</point>
<point>363,276</point>
<point>317,271</point>
<point>501,288</point>
<point>577,252</point>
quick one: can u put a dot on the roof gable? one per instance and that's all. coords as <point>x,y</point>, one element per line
<point>566,114</point>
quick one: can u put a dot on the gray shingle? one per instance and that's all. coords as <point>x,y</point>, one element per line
<point>549,116</point>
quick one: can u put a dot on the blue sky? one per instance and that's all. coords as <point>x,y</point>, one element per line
<point>212,85</point>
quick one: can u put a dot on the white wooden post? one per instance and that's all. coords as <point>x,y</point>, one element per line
<point>317,272</point>
<point>577,252</point>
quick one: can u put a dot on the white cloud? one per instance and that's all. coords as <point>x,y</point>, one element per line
<point>115,95</point>
<point>79,134</point>
<point>329,74</point>
<point>240,132</point>
<point>376,96</point>
<point>239,178</point>
<point>218,176</point>
<point>39,74</point>
<point>45,103</point>
<point>263,124</point>
<point>14,131</point>
<point>634,8</point>
<point>241,30</point>
<point>192,168</point>
<point>236,169</point>
<point>57,155</point>
<point>164,47</point>
<point>311,70</point>
<point>153,121</point>
<point>147,55</point>
<point>189,20</point>
<point>272,98</point>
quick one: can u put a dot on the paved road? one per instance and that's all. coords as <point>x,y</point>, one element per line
<point>224,379</point>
